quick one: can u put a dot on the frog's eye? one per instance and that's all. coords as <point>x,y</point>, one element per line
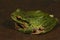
<point>18,17</point>
<point>40,29</point>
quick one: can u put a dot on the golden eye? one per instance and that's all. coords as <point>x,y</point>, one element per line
<point>18,17</point>
<point>41,28</point>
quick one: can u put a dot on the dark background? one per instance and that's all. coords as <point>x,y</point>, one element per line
<point>7,31</point>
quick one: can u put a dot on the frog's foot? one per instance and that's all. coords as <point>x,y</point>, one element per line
<point>38,31</point>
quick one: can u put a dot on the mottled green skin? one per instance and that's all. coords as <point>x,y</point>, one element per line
<point>36,19</point>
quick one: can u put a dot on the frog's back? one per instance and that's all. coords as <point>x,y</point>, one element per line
<point>29,13</point>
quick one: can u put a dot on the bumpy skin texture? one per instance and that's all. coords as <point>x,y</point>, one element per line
<point>34,22</point>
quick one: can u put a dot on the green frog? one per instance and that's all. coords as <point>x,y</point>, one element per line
<point>33,22</point>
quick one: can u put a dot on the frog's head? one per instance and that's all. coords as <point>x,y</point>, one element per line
<point>34,22</point>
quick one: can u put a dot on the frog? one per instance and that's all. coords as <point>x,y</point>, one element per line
<point>33,21</point>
